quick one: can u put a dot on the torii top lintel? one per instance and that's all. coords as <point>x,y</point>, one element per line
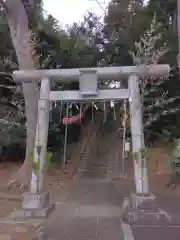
<point>102,73</point>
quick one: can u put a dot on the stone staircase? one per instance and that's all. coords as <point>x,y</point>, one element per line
<point>77,150</point>
<point>104,166</point>
<point>86,154</point>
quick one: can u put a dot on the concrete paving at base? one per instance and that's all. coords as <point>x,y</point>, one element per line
<point>93,208</point>
<point>170,203</point>
<point>165,230</point>
<point>155,233</point>
<point>92,211</point>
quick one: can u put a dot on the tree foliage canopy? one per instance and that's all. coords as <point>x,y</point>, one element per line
<point>113,42</point>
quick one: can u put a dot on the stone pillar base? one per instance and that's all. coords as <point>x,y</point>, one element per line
<point>34,205</point>
<point>143,209</point>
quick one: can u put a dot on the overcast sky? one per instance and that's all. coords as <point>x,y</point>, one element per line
<point>69,11</point>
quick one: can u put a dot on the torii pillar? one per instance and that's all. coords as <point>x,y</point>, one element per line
<point>142,207</point>
<point>140,164</point>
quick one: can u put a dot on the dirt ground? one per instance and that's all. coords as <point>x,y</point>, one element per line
<point>57,183</point>
<point>17,231</point>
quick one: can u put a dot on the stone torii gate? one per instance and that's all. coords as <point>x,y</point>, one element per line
<point>88,91</point>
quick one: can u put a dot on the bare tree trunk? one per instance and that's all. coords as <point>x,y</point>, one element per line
<point>19,30</point>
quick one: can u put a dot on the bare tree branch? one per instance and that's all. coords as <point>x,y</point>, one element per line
<point>3,5</point>
<point>102,5</point>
